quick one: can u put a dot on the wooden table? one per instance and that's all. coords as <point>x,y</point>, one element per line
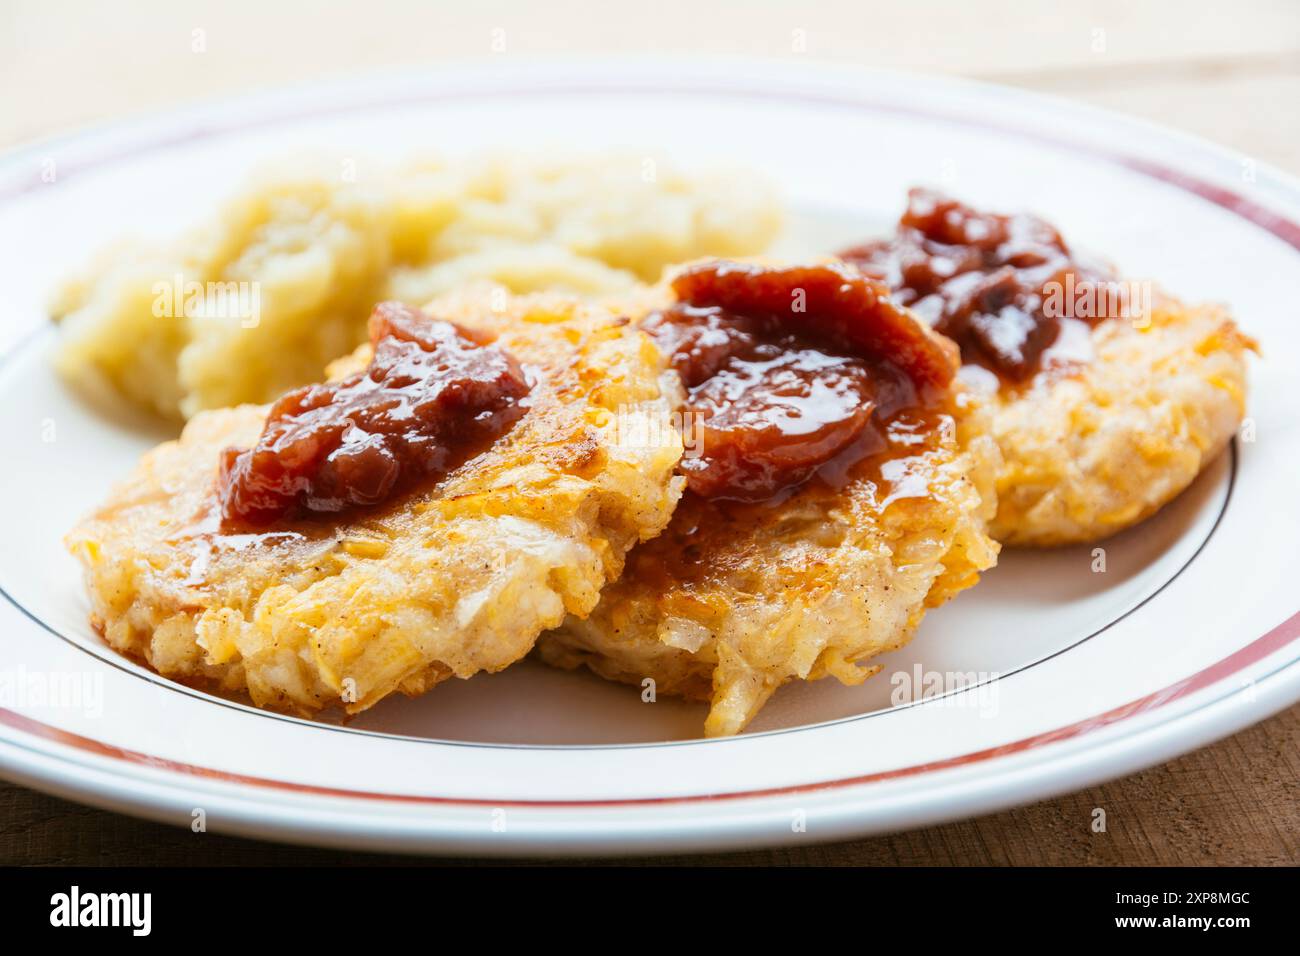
<point>1233,77</point>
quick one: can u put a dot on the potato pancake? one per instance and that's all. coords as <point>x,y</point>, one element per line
<point>315,610</point>
<point>811,574</point>
<point>1107,397</point>
<point>1090,453</point>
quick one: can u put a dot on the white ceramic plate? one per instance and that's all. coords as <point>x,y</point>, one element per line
<point>1189,634</point>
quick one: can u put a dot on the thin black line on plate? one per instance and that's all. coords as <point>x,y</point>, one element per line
<point>66,758</point>
<point>389,101</point>
<point>115,661</point>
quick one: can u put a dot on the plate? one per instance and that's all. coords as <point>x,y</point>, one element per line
<point>1061,669</point>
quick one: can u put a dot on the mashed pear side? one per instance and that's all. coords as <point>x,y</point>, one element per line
<point>291,267</point>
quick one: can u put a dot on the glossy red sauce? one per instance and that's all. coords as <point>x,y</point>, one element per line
<point>979,278</point>
<point>787,370</point>
<point>433,395</point>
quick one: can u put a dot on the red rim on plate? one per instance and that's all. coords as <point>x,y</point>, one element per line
<point>1274,640</point>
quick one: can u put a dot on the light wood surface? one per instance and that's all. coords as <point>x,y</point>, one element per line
<point>1228,73</point>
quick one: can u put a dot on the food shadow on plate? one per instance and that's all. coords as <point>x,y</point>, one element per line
<point>1033,605</point>
<point>110,408</point>
<point>531,703</point>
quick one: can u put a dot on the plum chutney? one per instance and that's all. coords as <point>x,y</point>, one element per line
<point>979,278</point>
<point>433,395</point>
<point>787,369</point>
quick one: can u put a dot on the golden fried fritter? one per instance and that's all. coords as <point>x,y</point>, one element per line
<point>732,602</point>
<point>1103,446</point>
<point>736,598</point>
<point>445,581</point>
<point>1105,404</point>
